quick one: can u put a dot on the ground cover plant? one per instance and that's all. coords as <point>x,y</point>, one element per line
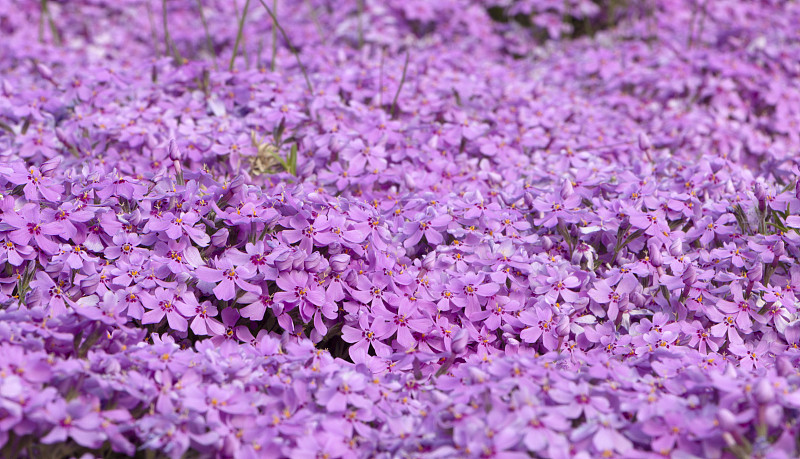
<point>368,228</point>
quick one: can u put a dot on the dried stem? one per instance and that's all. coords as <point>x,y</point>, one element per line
<point>167,39</point>
<point>289,44</point>
<point>209,41</point>
<point>400,87</point>
<point>380,79</point>
<point>239,34</point>
<point>360,13</point>
<point>53,30</point>
<point>274,37</point>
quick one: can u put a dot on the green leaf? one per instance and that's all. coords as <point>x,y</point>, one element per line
<point>278,133</point>
<point>292,169</point>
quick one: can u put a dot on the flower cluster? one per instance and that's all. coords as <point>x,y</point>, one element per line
<point>414,228</point>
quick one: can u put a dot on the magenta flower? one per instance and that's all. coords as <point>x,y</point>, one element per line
<point>56,295</point>
<point>402,322</point>
<point>124,245</point>
<point>71,217</point>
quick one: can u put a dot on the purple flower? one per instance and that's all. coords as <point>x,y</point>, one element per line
<point>301,289</point>
<point>603,293</point>
<point>76,420</point>
<point>36,184</point>
<point>204,322</point>
<point>368,335</point>
<point>176,306</point>
<point>28,224</point>
<point>744,311</point>
<point>575,399</point>
<point>255,259</point>
<point>431,227</point>
<point>539,321</point>
<point>228,278</point>
<point>470,289</point>
<point>175,226</point>
<point>558,284</point>
<point>14,253</point>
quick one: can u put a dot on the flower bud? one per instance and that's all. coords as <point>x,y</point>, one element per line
<point>784,366</point>
<point>429,262</point>
<point>173,151</point>
<point>654,248</point>
<point>48,167</point>
<point>236,184</point>
<point>511,344</point>
<point>676,248</point>
<point>529,198</point>
<point>340,262</point>
<point>797,189</point>
<point>779,249</point>
<point>63,137</point>
<point>689,275</point>
<point>755,272</point>
<point>220,238</point>
<point>284,262</point>
<point>644,142</point>
<point>637,299</point>
<point>151,141</point>
<point>45,72</point>
<point>563,326</point>
<point>547,243</point>
<point>761,196</point>
<point>764,393</point>
<point>298,259</point>
<point>460,341</point>
<point>773,415</point>
<point>312,262</point>
<point>566,189</point>
<point>727,420</point>
<point>8,88</point>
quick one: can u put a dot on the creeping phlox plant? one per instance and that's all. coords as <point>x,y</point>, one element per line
<point>408,228</point>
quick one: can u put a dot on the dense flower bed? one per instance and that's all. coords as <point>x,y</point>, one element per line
<point>458,228</point>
